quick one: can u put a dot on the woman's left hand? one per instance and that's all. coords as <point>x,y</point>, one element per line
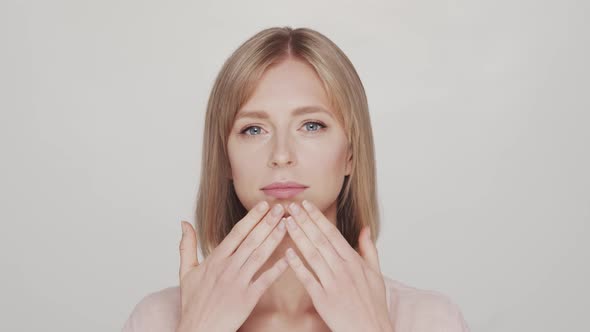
<point>350,294</point>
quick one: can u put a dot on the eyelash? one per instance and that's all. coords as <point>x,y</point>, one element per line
<point>243,131</point>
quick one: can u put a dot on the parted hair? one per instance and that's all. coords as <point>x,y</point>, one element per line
<point>218,208</point>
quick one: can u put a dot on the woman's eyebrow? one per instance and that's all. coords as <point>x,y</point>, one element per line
<point>298,111</point>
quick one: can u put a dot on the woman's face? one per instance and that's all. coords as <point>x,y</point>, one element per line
<point>279,144</point>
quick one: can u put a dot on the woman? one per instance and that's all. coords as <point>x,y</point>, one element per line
<point>288,162</point>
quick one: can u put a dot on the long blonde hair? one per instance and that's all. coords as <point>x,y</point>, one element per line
<point>218,208</point>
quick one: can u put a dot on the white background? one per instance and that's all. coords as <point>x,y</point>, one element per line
<point>480,113</point>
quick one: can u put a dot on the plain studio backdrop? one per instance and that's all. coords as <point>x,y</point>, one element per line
<point>480,112</point>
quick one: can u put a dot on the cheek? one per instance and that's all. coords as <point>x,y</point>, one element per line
<point>325,167</point>
<point>244,167</point>
<point>327,157</point>
<point>326,162</point>
<point>325,171</point>
<point>247,165</point>
<point>243,162</point>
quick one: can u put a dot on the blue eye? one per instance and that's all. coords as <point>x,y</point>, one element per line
<point>316,123</point>
<point>248,133</point>
<point>248,128</point>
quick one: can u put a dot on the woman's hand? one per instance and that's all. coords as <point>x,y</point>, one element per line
<point>218,294</point>
<point>350,294</point>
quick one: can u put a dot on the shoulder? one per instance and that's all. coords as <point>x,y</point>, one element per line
<point>421,310</point>
<point>156,311</point>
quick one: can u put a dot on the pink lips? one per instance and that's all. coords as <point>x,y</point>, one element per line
<point>284,189</point>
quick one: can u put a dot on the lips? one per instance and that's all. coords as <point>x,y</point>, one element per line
<point>284,189</point>
<point>285,184</point>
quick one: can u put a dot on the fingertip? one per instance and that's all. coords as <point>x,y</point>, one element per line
<point>307,205</point>
<point>282,264</point>
<point>186,227</point>
<point>262,206</point>
<point>281,225</point>
<point>290,254</point>
<point>188,230</point>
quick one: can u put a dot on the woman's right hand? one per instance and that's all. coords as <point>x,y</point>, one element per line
<point>218,294</point>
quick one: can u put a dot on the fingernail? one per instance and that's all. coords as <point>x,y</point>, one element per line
<point>306,205</point>
<point>282,224</point>
<point>277,210</point>
<point>294,209</point>
<point>290,253</point>
<point>262,206</point>
<point>183,227</point>
<point>290,222</point>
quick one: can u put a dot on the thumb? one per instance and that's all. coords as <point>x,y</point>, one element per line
<point>188,249</point>
<point>368,250</point>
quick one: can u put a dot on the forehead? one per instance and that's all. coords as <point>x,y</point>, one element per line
<point>291,86</point>
<point>302,110</point>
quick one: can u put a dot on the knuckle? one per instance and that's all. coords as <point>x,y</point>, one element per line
<point>352,266</point>
<point>238,232</point>
<point>260,285</point>
<point>276,235</point>
<point>314,255</point>
<point>301,222</point>
<point>298,263</point>
<point>261,281</point>
<point>306,278</point>
<point>182,248</point>
<point>321,241</point>
<point>251,242</point>
<point>256,256</point>
<point>269,220</point>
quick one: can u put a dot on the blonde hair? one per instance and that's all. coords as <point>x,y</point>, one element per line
<point>218,208</point>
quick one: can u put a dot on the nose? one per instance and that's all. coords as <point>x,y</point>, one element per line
<point>282,154</point>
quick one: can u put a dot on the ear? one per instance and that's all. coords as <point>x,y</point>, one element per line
<point>228,174</point>
<point>348,169</point>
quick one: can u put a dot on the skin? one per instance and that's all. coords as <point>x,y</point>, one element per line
<point>310,149</point>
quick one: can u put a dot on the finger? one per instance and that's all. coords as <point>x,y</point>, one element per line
<point>258,287</point>
<point>256,237</point>
<point>310,252</point>
<point>188,249</point>
<point>368,250</point>
<point>316,236</point>
<point>314,289</point>
<point>241,230</point>
<point>263,252</point>
<point>338,241</point>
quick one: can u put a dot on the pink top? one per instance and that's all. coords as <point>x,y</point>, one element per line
<point>411,310</point>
